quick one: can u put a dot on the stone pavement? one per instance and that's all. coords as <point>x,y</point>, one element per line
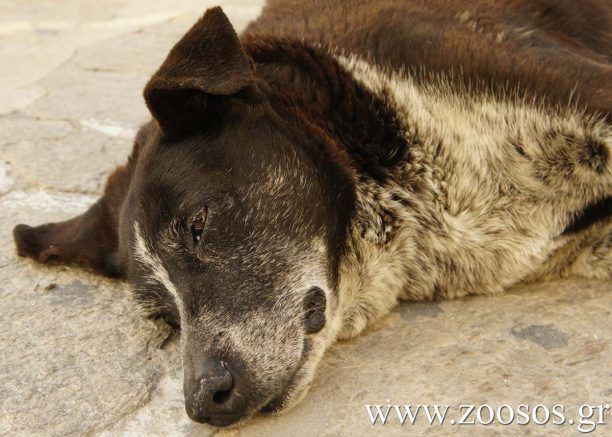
<point>77,359</point>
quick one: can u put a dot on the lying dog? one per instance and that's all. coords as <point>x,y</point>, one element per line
<point>340,155</point>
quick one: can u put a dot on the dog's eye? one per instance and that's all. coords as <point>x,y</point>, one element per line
<point>197,224</point>
<point>314,307</point>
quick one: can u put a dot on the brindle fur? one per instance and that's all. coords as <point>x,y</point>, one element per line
<point>376,150</point>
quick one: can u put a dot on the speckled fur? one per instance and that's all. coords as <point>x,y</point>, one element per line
<point>499,180</point>
<point>325,162</point>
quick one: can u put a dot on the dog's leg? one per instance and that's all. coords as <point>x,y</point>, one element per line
<point>584,254</point>
<point>562,169</point>
<point>571,172</point>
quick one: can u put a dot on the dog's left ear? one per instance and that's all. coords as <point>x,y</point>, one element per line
<point>208,63</point>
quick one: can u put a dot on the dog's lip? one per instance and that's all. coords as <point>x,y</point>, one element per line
<point>277,402</point>
<point>228,419</point>
<point>274,405</point>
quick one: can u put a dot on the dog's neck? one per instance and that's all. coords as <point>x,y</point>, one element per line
<point>426,156</point>
<point>454,219</point>
<point>382,154</point>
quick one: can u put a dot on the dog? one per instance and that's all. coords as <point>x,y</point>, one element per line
<point>296,181</point>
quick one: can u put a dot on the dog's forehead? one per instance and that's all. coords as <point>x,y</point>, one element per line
<point>254,219</point>
<point>241,156</point>
<point>262,174</point>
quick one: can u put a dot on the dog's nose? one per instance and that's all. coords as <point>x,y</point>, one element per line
<point>212,393</point>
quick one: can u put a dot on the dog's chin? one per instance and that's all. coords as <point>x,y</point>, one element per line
<point>229,421</point>
<point>287,400</point>
<point>298,386</point>
<point>276,405</point>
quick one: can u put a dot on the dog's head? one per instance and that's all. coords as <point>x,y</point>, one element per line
<point>229,221</point>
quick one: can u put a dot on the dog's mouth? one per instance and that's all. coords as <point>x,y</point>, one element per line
<point>280,401</point>
<point>276,405</point>
<point>224,420</point>
<point>283,402</point>
<point>293,390</point>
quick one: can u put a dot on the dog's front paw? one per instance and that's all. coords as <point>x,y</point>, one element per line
<point>35,242</point>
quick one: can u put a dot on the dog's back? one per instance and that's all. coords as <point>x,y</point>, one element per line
<point>558,49</point>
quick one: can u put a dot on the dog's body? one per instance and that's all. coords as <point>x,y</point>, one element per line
<point>395,150</point>
<point>474,206</point>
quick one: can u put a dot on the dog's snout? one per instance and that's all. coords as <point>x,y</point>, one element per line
<point>212,393</point>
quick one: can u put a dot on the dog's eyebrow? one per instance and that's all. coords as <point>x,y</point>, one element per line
<point>149,259</point>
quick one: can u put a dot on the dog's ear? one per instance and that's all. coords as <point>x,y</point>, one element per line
<point>92,238</point>
<point>207,63</point>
